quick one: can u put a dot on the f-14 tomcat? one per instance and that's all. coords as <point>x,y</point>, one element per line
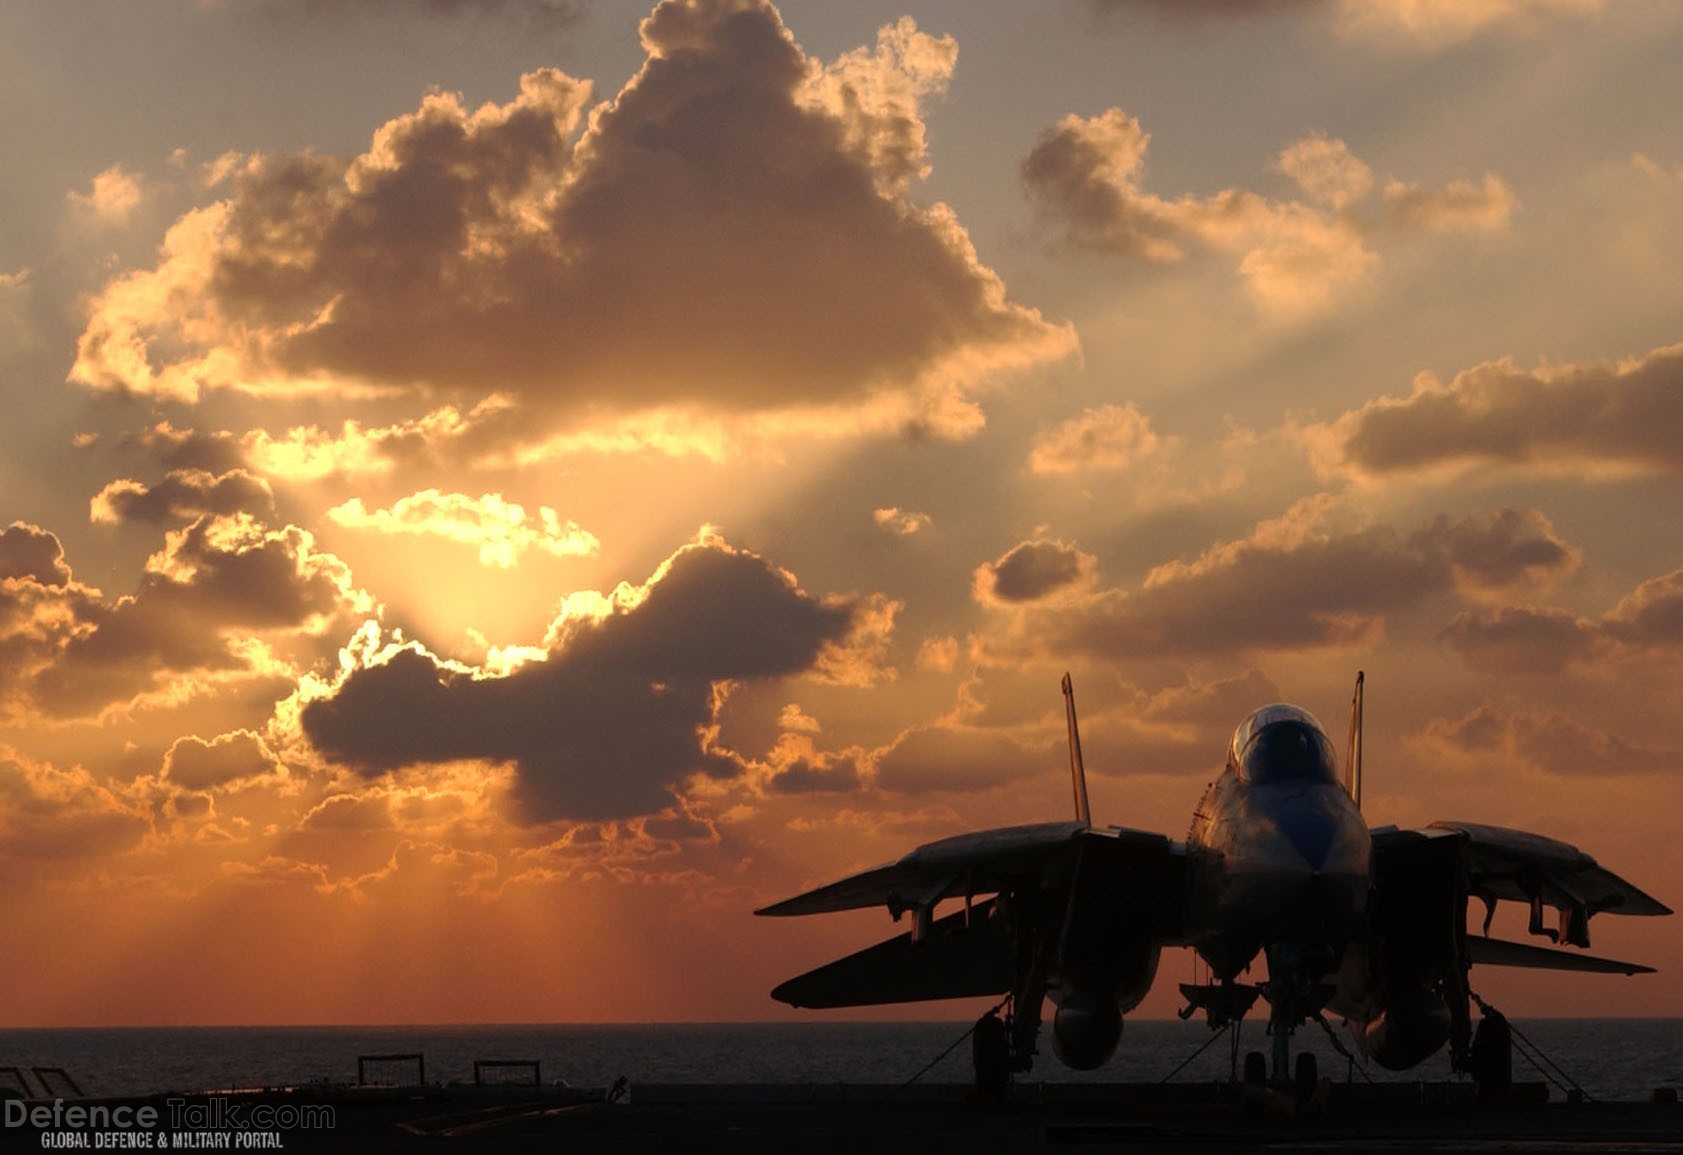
<point>1369,924</point>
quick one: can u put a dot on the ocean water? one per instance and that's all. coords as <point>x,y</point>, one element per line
<point>1611,1059</point>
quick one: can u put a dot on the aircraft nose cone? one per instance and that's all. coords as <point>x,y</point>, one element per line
<point>1311,833</point>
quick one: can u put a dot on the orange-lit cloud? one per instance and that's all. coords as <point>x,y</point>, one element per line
<point>1643,164</point>
<point>50,815</point>
<point>1109,437</point>
<point>1589,420</point>
<point>1543,640</point>
<point>1458,206</point>
<point>939,654</point>
<point>1327,171</point>
<point>41,609</point>
<point>797,767</point>
<point>496,433</point>
<point>1299,582</point>
<point>1494,736</point>
<point>1174,730</point>
<point>679,243</point>
<point>901,522</point>
<point>1084,175</point>
<point>502,530</point>
<point>725,292</point>
<point>215,601</point>
<point>112,197</point>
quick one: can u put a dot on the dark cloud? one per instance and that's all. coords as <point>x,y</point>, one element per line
<point>1083,174</point>
<point>29,553</point>
<point>1034,570</point>
<point>1294,585</point>
<point>679,826</point>
<point>1651,614</point>
<point>611,723</point>
<point>733,229</point>
<point>194,764</point>
<point>1544,640</point>
<point>819,774</point>
<point>1513,547</point>
<point>183,495</point>
<point>1499,738</point>
<point>190,450</point>
<point>1586,420</point>
<point>1522,639</point>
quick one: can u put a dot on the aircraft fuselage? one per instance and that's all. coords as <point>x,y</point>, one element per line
<point>1281,856</point>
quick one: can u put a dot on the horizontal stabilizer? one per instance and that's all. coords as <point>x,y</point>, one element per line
<point>953,961</point>
<point>1502,953</point>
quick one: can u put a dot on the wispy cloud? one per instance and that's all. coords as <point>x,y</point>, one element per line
<point>501,530</point>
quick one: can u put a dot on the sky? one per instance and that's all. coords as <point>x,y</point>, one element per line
<point>496,491</point>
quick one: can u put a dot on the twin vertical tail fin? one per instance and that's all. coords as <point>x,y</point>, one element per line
<point>1077,769</point>
<point>1353,753</point>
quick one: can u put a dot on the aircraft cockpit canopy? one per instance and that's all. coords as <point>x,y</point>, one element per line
<point>1279,744</point>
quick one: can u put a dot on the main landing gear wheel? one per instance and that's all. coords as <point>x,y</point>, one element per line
<point>990,1052</point>
<point>1306,1076</point>
<point>1256,1069</point>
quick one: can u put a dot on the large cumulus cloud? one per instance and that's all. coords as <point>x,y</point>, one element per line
<point>733,229</point>
<point>1296,583</point>
<point>616,715</point>
<point>1588,420</point>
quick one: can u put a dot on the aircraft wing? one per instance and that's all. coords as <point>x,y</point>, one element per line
<point>988,862</point>
<point>974,952</point>
<point>1516,865</point>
